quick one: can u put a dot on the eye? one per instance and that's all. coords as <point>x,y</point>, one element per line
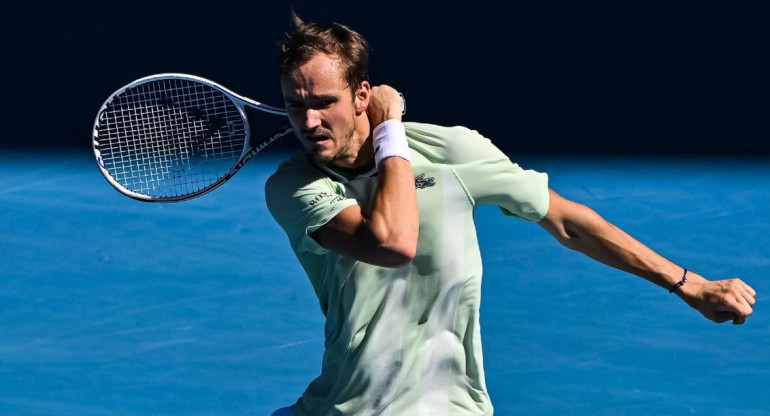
<point>325,103</point>
<point>294,105</point>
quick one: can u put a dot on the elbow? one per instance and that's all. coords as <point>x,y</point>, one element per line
<point>398,255</point>
<point>572,243</point>
<point>574,225</point>
<point>405,256</point>
<point>572,230</point>
<point>394,247</point>
<point>583,230</point>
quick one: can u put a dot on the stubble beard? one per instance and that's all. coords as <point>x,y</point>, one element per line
<point>345,152</point>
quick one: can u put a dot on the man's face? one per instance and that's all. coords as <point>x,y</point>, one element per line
<point>324,114</point>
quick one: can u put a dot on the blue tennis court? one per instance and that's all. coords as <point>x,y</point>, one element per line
<point>110,306</point>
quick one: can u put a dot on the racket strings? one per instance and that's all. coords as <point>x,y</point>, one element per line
<point>170,137</point>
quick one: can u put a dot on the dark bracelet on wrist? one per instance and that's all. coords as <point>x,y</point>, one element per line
<point>680,283</point>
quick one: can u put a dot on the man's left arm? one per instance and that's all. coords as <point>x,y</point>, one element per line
<point>580,228</point>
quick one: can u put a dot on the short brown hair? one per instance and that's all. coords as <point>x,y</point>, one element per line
<point>332,39</point>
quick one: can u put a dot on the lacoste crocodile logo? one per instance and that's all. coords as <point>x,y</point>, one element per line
<point>421,182</point>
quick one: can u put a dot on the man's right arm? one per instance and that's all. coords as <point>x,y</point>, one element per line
<point>387,236</point>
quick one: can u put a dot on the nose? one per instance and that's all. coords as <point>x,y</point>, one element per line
<point>312,119</point>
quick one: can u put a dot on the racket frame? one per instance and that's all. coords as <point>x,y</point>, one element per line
<point>249,149</point>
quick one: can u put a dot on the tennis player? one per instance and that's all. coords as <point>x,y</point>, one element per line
<point>379,213</point>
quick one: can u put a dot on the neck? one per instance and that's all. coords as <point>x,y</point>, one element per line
<point>362,150</point>
<point>365,154</point>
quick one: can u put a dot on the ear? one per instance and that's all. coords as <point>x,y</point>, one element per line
<point>361,98</point>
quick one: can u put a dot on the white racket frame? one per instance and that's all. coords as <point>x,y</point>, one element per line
<point>241,102</point>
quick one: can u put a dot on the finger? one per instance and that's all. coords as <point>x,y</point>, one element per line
<point>748,288</point>
<point>738,305</point>
<point>748,296</point>
<point>734,298</point>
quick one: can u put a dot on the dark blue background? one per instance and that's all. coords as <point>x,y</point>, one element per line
<point>535,76</point>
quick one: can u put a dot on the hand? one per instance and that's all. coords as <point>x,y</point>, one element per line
<point>384,104</point>
<point>719,300</point>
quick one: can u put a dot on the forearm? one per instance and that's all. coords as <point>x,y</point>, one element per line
<point>594,236</point>
<point>394,219</point>
<point>580,228</point>
<point>387,234</point>
<point>719,301</point>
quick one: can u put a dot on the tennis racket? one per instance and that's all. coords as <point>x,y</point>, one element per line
<point>174,137</point>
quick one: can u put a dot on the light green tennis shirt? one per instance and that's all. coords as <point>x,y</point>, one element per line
<point>404,341</point>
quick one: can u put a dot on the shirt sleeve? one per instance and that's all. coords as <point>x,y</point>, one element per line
<point>301,200</point>
<point>487,173</point>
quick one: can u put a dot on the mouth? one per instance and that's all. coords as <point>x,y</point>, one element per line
<point>317,138</point>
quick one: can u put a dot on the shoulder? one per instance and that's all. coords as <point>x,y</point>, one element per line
<point>293,166</point>
<point>450,144</point>
<point>295,189</point>
<point>295,178</point>
<point>435,134</point>
<point>293,173</point>
<point>301,198</point>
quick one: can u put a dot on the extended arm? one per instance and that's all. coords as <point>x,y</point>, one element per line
<point>582,229</point>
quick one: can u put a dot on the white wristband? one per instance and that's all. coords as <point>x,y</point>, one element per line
<point>389,141</point>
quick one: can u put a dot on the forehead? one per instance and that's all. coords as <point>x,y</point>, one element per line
<point>322,74</point>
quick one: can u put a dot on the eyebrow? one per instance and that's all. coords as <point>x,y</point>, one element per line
<point>314,97</point>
